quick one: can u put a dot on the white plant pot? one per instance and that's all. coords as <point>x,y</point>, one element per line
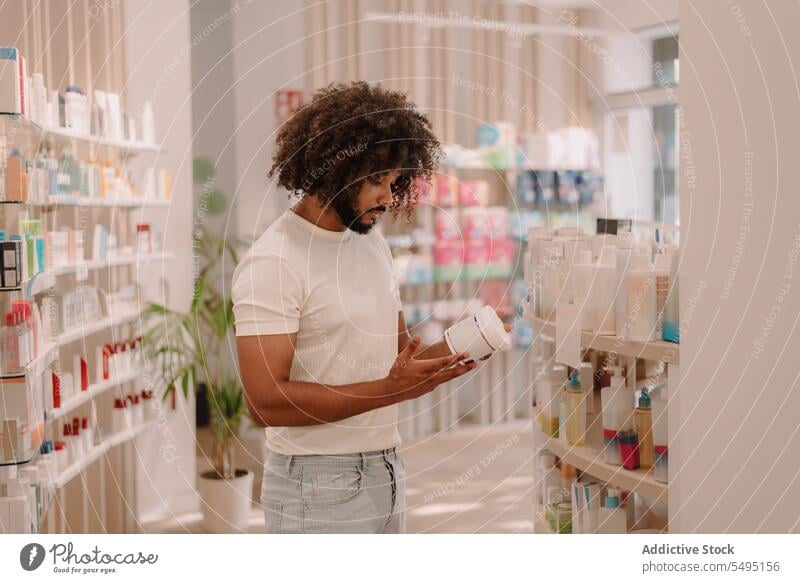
<point>226,503</point>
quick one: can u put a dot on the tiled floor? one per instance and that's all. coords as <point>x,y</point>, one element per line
<point>476,479</point>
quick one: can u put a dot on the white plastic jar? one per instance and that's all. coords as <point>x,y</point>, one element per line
<point>479,335</point>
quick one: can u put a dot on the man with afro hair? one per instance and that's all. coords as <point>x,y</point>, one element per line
<point>323,349</point>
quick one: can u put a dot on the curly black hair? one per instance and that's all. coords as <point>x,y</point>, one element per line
<point>351,132</point>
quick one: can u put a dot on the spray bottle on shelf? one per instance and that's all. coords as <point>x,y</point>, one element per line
<point>575,411</point>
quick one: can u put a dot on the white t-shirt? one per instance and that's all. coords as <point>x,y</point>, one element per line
<point>338,291</point>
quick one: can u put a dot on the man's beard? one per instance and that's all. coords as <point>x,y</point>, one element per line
<point>351,217</point>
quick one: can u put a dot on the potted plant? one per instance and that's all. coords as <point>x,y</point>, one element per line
<point>187,347</point>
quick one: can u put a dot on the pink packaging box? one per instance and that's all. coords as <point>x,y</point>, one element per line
<point>473,192</point>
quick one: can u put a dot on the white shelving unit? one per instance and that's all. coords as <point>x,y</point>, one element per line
<point>588,458</point>
<point>30,137</point>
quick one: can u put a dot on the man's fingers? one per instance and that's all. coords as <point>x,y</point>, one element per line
<point>435,364</point>
<point>451,373</point>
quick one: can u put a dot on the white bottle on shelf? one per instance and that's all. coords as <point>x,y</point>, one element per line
<point>605,290</point>
<point>612,518</point>
<point>549,479</point>
<point>641,289</point>
<point>624,253</point>
<point>583,278</point>
<point>586,375</point>
<point>612,402</point>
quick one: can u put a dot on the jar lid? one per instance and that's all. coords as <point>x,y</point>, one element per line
<point>491,327</point>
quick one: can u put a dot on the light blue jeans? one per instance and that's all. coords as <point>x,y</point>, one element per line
<point>348,493</point>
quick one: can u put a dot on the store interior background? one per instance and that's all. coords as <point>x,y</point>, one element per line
<point>213,69</point>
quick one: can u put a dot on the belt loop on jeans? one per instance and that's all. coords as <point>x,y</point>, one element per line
<point>363,461</point>
<point>289,460</point>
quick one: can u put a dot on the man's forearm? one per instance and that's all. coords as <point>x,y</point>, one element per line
<point>299,403</point>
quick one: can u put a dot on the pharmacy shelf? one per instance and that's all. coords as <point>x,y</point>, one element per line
<point>657,350</point>
<point>65,135</point>
<point>81,332</point>
<point>118,261</point>
<point>90,393</point>
<point>73,201</point>
<point>44,281</point>
<point>589,459</point>
<point>85,201</point>
<point>65,476</point>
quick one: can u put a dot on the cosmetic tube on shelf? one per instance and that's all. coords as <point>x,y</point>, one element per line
<point>643,424</point>
<point>628,449</point>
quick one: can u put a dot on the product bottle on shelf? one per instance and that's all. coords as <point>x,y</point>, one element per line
<point>586,375</point>
<point>660,441</point>
<point>628,443</point>
<point>575,411</point>
<point>612,518</point>
<point>605,290</point>
<point>641,303</point>
<point>643,423</point>
<point>661,269</point>
<point>611,398</point>
<point>549,480</point>
<point>671,312</point>
<point>550,400</point>
<point>583,278</point>
<point>10,340</point>
<point>568,475</point>
<point>624,254</point>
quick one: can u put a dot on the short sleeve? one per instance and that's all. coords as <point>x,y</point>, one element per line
<point>395,286</point>
<point>267,296</point>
